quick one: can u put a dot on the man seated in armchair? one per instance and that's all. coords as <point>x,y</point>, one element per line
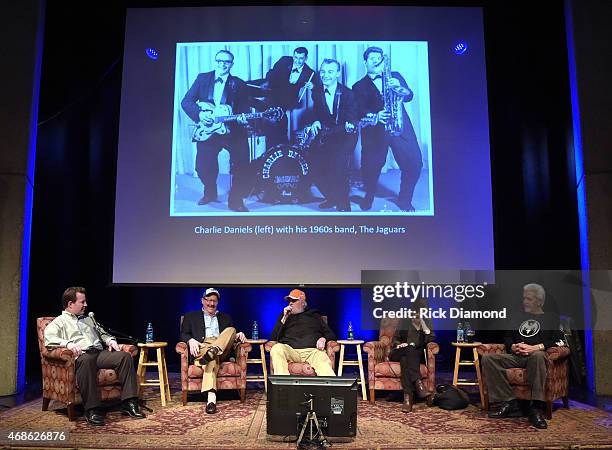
<point>301,334</point>
<point>86,339</point>
<point>210,335</point>
<point>533,332</point>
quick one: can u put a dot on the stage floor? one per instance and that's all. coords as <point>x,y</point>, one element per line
<point>237,425</point>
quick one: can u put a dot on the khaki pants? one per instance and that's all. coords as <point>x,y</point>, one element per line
<point>282,354</point>
<point>494,370</point>
<point>224,341</point>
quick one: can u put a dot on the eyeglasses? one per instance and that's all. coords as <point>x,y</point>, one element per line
<point>293,300</point>
<point>223,61</point>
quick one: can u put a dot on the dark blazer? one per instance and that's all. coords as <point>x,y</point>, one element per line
<point>345,107</point>
<point>407,333</point>
<point>234,94</point>
<point>369,100</point>
<point>285,94</point>
<point>193,325</point>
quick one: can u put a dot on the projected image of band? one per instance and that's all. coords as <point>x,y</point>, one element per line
<point>301,128</point>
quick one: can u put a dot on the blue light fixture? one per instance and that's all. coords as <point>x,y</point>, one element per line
<point>151,53</point>
<point>460,48</point>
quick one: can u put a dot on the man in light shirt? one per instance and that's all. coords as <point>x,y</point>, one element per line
<point>87,340</point>
<point>210,335</point>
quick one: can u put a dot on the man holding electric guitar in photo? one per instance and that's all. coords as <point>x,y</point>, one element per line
<point>215,102</point>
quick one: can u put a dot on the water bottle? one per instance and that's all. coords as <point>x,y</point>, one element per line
<point>459,332</point>
<point>255,331</point>
<point>149,333</point>
<point>469,332</point>
<point>350,331</point>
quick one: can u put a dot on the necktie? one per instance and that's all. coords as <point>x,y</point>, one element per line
<point>219,80</point>
<point>294,71</point>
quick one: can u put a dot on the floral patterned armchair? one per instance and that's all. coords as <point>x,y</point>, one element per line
<point>384,374</point>
<point>58,373</point>
<point>557,377</point>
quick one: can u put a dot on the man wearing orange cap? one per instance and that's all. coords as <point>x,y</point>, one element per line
<point>301,334</point>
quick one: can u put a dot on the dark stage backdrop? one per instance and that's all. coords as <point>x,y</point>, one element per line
<point>534,195</point>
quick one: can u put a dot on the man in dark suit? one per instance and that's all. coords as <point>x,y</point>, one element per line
<point>335,112</point>
<point>219,87</point>
<point>375,141</point>
<point>288,80</point>
<point>210,335</point>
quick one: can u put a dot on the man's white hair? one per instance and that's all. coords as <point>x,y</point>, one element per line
<point>537,289</point>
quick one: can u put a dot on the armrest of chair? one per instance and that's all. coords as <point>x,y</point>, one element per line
<point>59,355</point>
<point>182,349</point>
<point>242,352</point>
<point>332,347</point>
<point>132,349</point>
<point>433,347</point>
<point>486,349</point>
<point>376,350</point>
<point>557,353</point>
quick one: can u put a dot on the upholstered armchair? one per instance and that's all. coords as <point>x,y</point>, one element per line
<point>231,375</point>
<point>557,377</point>
<point>58,373</point>
<point>384,374</point>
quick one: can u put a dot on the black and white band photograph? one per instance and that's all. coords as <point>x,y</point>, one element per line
<point>301,128</point>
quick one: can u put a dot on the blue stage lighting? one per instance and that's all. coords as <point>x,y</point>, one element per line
<point>460,48</point>
<point>151,53</point>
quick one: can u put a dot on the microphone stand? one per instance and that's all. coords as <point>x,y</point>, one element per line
<point>131,339</point>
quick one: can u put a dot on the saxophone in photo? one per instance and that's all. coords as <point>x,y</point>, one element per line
<point>393,102</point>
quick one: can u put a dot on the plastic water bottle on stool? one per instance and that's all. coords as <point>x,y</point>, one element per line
<point>350,331</point>
<point>149,333</point>
<point>255,331</point>
<point>460,337</point>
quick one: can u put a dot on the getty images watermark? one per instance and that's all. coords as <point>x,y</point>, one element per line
<point>410,292</point>
<point>487,299</point>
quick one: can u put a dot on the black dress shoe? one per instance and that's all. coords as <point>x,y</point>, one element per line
<point>132,408</point>
<point>327,205</point>
<point>365,203</point>
<point>421,390</point>
<point>405,207</point>
<point>211,408</point>
<point>237,206</point>
<point>210,354</point>
<point>536,419</point>
<point>343,208</point>
<point>407,403</point>
<point>508,409</point>
<point>94,417</point>
<point>207,199</point>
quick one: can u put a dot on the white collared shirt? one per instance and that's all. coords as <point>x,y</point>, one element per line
<point>218,92</point>
<point>329,98</point>
<point>211,323</point>
<point>69,328</point>
<point>294,76</point>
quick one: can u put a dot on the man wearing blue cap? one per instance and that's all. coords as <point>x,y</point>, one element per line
<point>210,335</point>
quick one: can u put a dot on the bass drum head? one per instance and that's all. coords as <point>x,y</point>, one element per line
<point>284,175</point>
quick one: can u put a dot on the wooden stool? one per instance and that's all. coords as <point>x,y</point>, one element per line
<point>474,362</point>
<point>160,363</point>
<point>261,360</point>
<point>358,362</point>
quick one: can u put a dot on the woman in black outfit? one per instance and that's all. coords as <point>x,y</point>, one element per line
<point>411,337</point>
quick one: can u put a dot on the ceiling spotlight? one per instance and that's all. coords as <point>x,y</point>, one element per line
<point>460,48</point>
<point>151,53</point>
